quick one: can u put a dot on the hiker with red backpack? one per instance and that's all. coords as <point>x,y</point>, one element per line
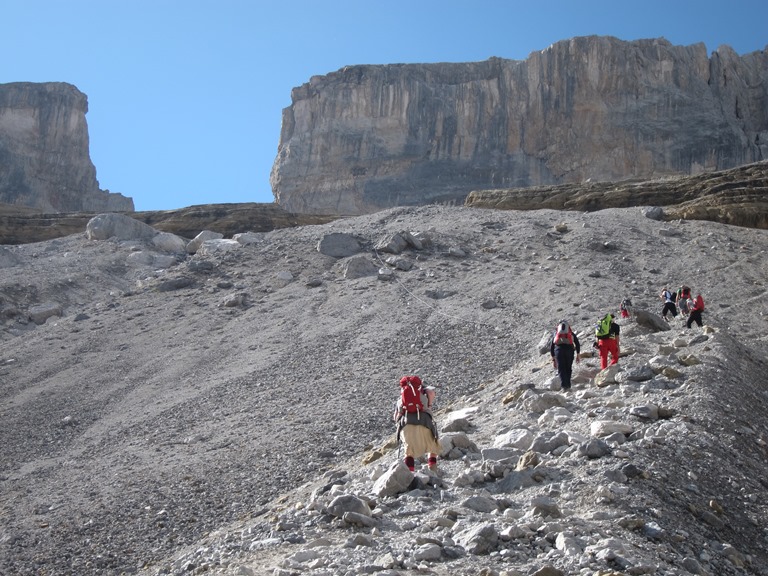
<point>413,416</point>
<point>565,344</point>
<point>684,299</point>
<point>696,310</point>
<point>626,308</point>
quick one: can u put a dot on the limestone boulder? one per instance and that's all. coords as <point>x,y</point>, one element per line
<point>120,226</point>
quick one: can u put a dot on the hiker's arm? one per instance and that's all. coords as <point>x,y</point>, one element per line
<point>577,346</point>
<point>398,411</point>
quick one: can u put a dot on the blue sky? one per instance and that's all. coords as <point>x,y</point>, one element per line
<point>185,96</point>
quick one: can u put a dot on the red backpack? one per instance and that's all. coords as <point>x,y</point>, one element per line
<point>699,303</point>
<point>410,394</point>
<point>563,334</point>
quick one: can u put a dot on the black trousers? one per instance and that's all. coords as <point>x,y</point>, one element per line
<point>695,316</point>
<point>669,307</point>
<point>564,355</point>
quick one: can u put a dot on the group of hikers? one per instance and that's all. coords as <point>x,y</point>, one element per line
<point>565,347</point>
<point>689,306</point>
<point>413,410</point>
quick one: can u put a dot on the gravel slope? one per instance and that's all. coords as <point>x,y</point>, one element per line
<point>145,418</point>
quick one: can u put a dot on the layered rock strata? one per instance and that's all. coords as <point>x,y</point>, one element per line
<point>591,108</point>
<point>24,225</point>
<point>44,151</point>
<point>738,196</point>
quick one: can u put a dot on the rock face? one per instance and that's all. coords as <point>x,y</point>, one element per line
<point>44,156</point>
<point>591,108</point>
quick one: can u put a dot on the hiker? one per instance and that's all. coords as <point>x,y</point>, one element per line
<point>684,300</point>
<point>564,344</point>
<point>413,416</point>
<point>607,340</point>
<point>626,308</point>
<point>669,303</point>
<point>696,309</point>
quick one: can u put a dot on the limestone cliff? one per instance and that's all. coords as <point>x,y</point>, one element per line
<point>44,155</point>
<point>591,108</point>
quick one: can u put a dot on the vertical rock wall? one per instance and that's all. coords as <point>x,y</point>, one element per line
<point>369,137</point>
<point>44,155</point>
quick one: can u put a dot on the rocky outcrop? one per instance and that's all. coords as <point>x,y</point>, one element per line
<point>20,225</point>
<point>592,108</point>
<point>738,196</point>
<point>227,219</point>
<point>44,155</point>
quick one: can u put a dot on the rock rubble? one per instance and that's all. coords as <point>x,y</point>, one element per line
<point>599,480</point>
<point>227,409</point>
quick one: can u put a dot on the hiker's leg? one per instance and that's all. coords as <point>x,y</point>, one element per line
<point>614,351</point>
<point>603,349</point>
<point>564,363</point>
<point>432,461</point>
<point>696,315</point>
<point>565,381</point>
<point>567,367</point>
<point>410,453</point>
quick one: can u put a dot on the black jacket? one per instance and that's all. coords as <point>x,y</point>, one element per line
<point>576,345</point>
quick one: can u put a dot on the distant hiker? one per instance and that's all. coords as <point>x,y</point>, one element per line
<point>564,344</point>
<point>669,303</point>
<point>626,308</point>
<point>696,309</point>
<point>413,416</point>
<point>607,340</point>
<point>684,299</point>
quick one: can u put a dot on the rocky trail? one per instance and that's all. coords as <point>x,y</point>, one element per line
<point>636,470</point>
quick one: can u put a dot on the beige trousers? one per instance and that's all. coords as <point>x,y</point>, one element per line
<point>419,441</point>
